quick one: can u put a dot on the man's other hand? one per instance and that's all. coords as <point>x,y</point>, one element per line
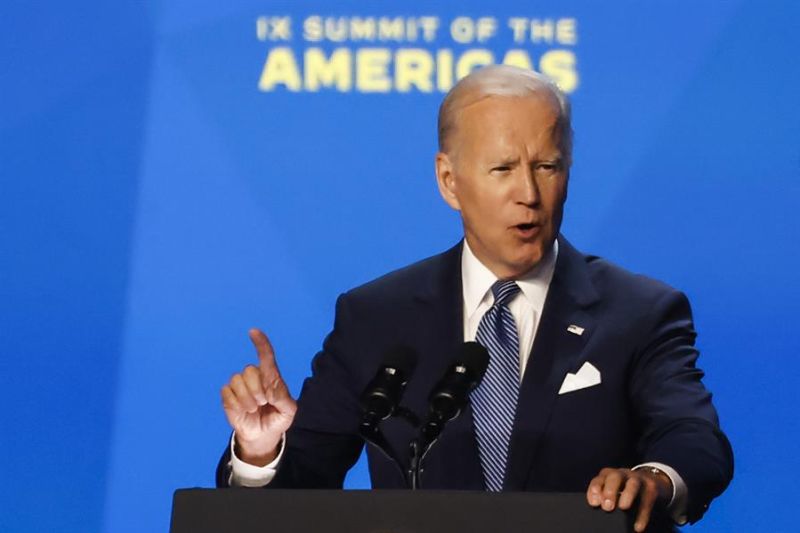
<point>621,487</point>
<point>258,405</point>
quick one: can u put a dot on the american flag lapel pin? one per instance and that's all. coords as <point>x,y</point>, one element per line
<point>575,330</point>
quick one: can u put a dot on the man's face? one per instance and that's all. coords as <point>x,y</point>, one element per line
<point>504,171</point>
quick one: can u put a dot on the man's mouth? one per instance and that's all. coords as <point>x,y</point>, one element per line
<point>527,230</point>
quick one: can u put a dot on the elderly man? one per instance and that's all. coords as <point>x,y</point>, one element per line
<point>591,384</point>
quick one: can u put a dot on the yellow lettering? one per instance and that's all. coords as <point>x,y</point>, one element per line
<point>312,28</point>
<point>391,29</point>
<point>566,31</point>
<point>559,65</point>
<point>429,27</point>
<point>382,70</point>
<point>280,68</point>
<point>486,28</point>
<point>336,29</point>
<point>323,72</point>
<point>261,28</point>
<point>413,67</point>
<point>462,30</point>
<point>542,31</point>
<point>372,70</point>
<point>518,58</point>
<point>363,29</point>
<point>519,27</point>
<point>411,30</point>
<point>444,70</point>
<point>471,59</point>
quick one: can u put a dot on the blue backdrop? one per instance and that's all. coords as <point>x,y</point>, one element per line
<point>176,172</point>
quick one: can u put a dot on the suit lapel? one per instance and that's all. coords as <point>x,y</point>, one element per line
<point>453,461</point>
<point>555,352</point>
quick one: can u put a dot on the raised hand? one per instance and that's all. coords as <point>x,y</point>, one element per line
<point>258,405</point>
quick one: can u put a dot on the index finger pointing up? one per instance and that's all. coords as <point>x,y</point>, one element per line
<point>266,355</point>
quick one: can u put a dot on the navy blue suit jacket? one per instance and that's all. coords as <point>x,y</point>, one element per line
<point>650,406</point>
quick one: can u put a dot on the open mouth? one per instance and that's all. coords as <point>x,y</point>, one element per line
<point>527,231</point>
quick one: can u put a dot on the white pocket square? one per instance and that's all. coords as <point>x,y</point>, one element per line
<point>586,376</point>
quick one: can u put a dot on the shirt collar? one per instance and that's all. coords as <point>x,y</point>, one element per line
<point>477,280</point>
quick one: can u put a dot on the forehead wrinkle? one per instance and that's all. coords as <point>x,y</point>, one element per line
<point>545,130</point>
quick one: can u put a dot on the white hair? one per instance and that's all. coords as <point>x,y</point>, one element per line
<point>504,80</point>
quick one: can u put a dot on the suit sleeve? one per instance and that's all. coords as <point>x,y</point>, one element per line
<point>678,423</point>
<point>323,442</point>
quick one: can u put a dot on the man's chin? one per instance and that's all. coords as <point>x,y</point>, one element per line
<point>524,263</point>
<point>517,269</point>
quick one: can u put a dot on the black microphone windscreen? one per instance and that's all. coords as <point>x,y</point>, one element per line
<point>403,358</point>
<point>475,358</point>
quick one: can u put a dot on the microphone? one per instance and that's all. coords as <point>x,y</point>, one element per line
<point>450,395</point>
<point>381,398</point>
<point>382,395</point>
<point>447,399</point>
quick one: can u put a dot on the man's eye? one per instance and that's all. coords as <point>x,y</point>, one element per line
<point>501,168</point>
<point>547,167</point>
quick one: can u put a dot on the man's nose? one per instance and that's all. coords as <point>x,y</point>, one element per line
<point>528,193</point>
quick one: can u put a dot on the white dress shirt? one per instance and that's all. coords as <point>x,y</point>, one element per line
<point>526,308</point>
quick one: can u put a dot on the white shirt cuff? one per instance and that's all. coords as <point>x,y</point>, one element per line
<point>247,475</point>
<point>680,494</point>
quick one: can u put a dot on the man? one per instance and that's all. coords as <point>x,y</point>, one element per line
<point>591,384</point>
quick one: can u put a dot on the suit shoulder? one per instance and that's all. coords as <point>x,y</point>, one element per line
<point>613,279</point>
<point>402,283</point>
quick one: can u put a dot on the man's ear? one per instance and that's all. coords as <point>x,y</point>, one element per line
<point>446,180</point>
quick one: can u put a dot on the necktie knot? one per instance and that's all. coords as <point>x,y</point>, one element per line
<point>504,291</point>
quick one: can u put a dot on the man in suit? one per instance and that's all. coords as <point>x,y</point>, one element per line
<point>591,386</point>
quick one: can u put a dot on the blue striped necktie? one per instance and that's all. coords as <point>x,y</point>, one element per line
<point>494,401</point>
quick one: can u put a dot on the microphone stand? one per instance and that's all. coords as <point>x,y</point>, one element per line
<point>414,470</point>
<point>370,431</point>
<point>419,448</point>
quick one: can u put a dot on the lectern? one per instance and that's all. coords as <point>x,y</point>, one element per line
<point>238,510</point>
